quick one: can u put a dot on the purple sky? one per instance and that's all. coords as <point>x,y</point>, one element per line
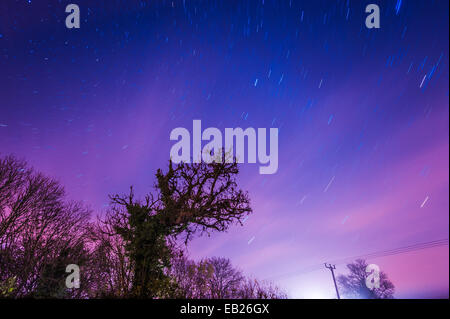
<point>363,118</point>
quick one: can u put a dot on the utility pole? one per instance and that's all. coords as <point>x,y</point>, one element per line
<point>332,267</point>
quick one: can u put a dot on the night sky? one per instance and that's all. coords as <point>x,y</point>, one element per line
<point>363,118</point>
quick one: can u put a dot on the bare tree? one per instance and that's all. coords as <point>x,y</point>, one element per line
<point>134,251</point>
<point>225,280</point>
<point>354,285</point>
<point>191,278</point>
<point>40,232</point>
<point>108,274</point>
<point>216,278</point>
<point>256,289</point>
<point>211,278</point>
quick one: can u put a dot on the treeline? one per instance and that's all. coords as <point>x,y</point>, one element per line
<point>135,251</point>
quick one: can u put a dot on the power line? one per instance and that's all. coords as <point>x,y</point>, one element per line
<point>399,250</point>
<point>332,268</point>
<point>377,254</point>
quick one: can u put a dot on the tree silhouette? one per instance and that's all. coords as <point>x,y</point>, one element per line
<point>189,199</point>
<point>135,251</point>
<point>40,232</point>
<point>225,280</point>
<point>354,285</point>
<point>212,278</point>
<point>217,278</point>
